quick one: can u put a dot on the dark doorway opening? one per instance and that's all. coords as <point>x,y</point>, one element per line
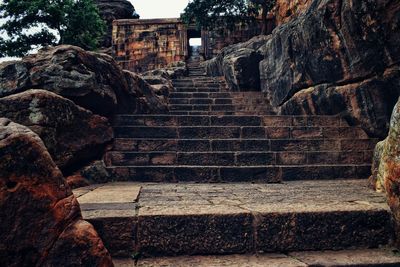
<point>195,43</point>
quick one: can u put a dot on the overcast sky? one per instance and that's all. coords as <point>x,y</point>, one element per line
<point>148,9</point>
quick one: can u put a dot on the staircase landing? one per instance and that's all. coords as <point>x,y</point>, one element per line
<point>207,219</point>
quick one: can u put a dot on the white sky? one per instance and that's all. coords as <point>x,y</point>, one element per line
<point>151,9</point>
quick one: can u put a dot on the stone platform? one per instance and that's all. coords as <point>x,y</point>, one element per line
<point>151,219</point>
<point>349,258</point>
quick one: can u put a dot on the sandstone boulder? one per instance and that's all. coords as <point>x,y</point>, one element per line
<point>368,103</point>
<point>93,81</point>
<point>386,169</point>
<point>73,135</point>
<point>41,223</point>
<point>286,10</point>
<point>239,63</point>
<point>112,10</point>
<point>336,57</point>
<point>96,172</point>
<point>241,70</point>
<point>143,95</point>
<point>333,41</point>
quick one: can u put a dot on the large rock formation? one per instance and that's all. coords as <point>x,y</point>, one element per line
<point>327,57</point>
<point>112,10</point>
<point>336,45</point>
<point>386,169</point>
<point>285,10</point>
<point>239,64</point>
<point>72,135</point>
<point>41,223</point>
<point>91,80</point>
<point>144,94</point>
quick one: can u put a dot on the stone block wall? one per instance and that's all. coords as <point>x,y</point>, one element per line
<point>142,45</point>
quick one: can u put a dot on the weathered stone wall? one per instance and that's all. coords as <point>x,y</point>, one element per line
<point>142,45</point>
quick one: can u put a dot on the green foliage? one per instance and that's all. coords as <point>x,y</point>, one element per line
<point>208,14</point>
<point>33,23</point>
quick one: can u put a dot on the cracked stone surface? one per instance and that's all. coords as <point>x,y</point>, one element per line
<point>189,219</point>
<point>346,258</point>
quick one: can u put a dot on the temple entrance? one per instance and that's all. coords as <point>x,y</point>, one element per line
<point>195,47</point>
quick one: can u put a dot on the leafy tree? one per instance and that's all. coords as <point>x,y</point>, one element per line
<point>33,23</point>
<point>209,14</point>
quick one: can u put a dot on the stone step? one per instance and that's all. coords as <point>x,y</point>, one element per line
<point>150,219</point>
<point>198,90</point>
<point>201,101</point>
<point>200,95</point>
<point>249,107</point>
<point>228,120</point>
<point>265,145</point>
<point>223,113</point>
<point>200,85</point>
<point>199,107</point>
<point>342,258</point>
<point>245,132</point>
<point>237,158</point>
<point>248,174</point>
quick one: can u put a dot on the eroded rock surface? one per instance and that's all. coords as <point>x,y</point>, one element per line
<point>386,169</point>
<point>91,80</point>
<point>332,46</point>
<point>41,223</point>
<point>144,94</point>
<point>239,64</point>
<point>72,135</point>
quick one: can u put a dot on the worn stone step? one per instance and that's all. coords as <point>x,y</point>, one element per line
<point>198,90</point>
<point>237,158</point>
<point>201,101</point>
<point>245,132</point>
<point>228,120</point>
<point>255,174</point>
<point>150,219</point>
<point>197,83</point>
<point>222,113</point>
<point>199,107</point>
<point>265,145</point>
<point>201,95</point>
<point>343,258</point>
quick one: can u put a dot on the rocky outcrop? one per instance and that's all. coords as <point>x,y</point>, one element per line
<point>146,100</point>
<point>241,70</point>
<point>112,10</point>
<point>327,57</point>
<point>41,222</point>
<point>239,64</point>
<point>286,10</point>
<point>367,103</point>
<point>73,136</point>
<point>386,169</point>
<point>91,80</point>
<point>335,44</point>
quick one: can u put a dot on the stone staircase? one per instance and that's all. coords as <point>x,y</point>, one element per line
<point>220,174</point>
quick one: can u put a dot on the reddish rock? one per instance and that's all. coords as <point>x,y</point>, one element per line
<point>285,10</point>
<point>367,102</point>
<point>76,181</point>
<point>146,100</point>
<point>40,217</point>
<point>336,56</point>
<point>386,169</point>
<point>73,136</point>
<point>91,80</point>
